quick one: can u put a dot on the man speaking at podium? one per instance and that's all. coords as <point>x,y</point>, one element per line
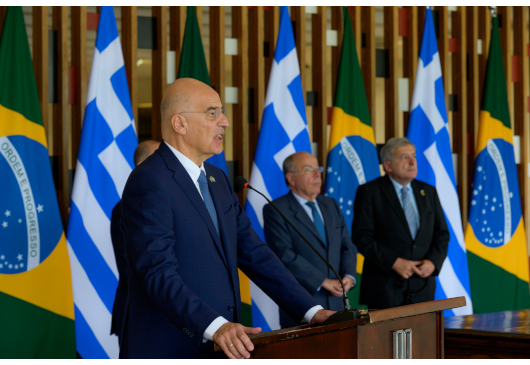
<point>399,227</point>
<point>186,235</point>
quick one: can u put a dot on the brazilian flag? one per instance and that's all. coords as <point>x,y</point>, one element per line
<point>352,158</point>
<point>193,64</point>
<point>36,303</point>
<point>495,236</point>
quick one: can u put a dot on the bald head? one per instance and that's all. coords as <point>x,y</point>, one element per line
<point>144,150</point>
<point>179,97</point>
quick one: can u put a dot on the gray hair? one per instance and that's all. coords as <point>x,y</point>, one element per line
<point>288,167</point>
<point>387,151</point>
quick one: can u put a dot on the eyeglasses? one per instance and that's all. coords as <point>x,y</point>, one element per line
<point>213,113</point>
<point>311,170</point>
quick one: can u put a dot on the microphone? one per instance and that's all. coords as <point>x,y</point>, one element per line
<point>346,315</point>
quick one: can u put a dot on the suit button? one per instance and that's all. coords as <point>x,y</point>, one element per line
<point>413,246</point>
<point>191,335</point>
<point>231,308</point>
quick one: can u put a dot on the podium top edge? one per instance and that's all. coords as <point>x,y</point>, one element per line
<point>416,309</point>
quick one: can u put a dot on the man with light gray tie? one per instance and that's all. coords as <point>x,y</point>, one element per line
<point>320,220</point>
<point>400,229</point>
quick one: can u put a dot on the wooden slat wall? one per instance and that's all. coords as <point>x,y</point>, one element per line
<point>255,26</point>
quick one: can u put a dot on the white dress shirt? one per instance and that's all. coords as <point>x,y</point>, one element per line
<point>410,197</point>
<point>194,171</point>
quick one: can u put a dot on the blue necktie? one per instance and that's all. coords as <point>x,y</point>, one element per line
<point>203,185</point>
<point>409,212</point>
<point>318,222</point>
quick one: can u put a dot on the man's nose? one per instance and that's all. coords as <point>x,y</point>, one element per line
<point>223,121</point>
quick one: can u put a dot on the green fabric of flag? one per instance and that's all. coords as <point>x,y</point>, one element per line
<point>36,301</point>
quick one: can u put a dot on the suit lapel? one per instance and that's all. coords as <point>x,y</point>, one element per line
<point>303,218</point>
<point>390,193</point>
<point>329,223</point>
<point>183,179</point>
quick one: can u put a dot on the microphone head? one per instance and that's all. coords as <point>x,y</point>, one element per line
<point>241,182</point>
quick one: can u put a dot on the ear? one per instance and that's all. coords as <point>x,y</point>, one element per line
<point>290,178</point>
<point>179,124</point>
<point>386,166</point>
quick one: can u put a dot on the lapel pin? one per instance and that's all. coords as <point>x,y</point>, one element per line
<point>213,180</point>
<point>422,192</point>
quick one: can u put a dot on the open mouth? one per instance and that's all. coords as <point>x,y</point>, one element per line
<point>219,137</point>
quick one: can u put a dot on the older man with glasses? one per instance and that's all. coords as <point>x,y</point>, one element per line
<point>320,220</point>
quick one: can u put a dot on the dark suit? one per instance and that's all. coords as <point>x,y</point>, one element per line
<point>182,275</point>
<point>381,233</point>
<point>299,258</point>
<point>118,243</point>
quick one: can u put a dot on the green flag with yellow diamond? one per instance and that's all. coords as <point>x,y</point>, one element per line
<point>36,303</point>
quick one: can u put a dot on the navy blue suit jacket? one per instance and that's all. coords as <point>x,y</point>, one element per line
<point>182,275</point>
<point>118,243</point>
<point>299,258</point>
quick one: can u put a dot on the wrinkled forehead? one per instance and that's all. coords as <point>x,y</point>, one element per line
<point>407,149</point>
<point>305,160</point>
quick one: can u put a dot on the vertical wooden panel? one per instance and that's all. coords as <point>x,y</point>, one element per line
<point>484,33</point>
<point>460,115</point>
<point>392,125</point>
<point>473,101</point>
<point>240,80</point>
<point>336,24</point>
<point>79,47</point>
<point>272,26</point>
<point>40,64</point>
<point>256,74</point>
<point>421,21</point>
<point>410,54</point>
<point>177,24</point>
<point>319,82</point>
<point>129,32</point>
<point>298,18</point>
<point>159,69</point>
<point>368,58</point>
<point>521,94</point>
<point>217,49</point>
<point>506,36</point>
<point>3,10</point>
<point>443,47</point>
<point>61,122</point>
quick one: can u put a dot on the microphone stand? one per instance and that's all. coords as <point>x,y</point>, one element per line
<point>347,314</point>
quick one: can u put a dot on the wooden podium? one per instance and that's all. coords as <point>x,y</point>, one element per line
<point>413,331</point>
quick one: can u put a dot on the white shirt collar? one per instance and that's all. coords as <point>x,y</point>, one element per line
<point>193,170</point>
<point>398,186</point>
<point>302,200</point>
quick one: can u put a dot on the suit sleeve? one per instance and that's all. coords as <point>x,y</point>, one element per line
<point>118,243</point>
<point>262,266</point>
<point>348,251</point>
<point>279,239</point>
<point>363,232</point>
<point>150,242</point>
<point>440,242</point>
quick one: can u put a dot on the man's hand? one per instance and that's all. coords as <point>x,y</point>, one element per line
<point>426,268</point>
<point>348,283</point>
<point>333,286</point>
<point>233,339</point>
<point>321,316</point>
<point>406,268</point>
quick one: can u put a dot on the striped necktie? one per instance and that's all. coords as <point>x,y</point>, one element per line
<point>409,212</point>
<point>203,185</point>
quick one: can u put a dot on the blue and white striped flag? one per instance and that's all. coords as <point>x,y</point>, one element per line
<point>105,160</point>
<point>283,132</point>
<point>429,131</point>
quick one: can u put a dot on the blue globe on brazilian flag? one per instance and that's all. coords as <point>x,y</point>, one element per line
<point>37,313</point>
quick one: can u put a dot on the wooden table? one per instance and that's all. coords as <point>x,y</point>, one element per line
<point>500,335</point>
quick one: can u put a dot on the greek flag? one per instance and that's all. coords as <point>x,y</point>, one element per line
<point>428,130</point>
<point>105,160</point>
<point>283,132</point>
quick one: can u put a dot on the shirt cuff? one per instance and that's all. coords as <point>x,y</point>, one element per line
<point>311,313</point>
<point>213,327</point>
